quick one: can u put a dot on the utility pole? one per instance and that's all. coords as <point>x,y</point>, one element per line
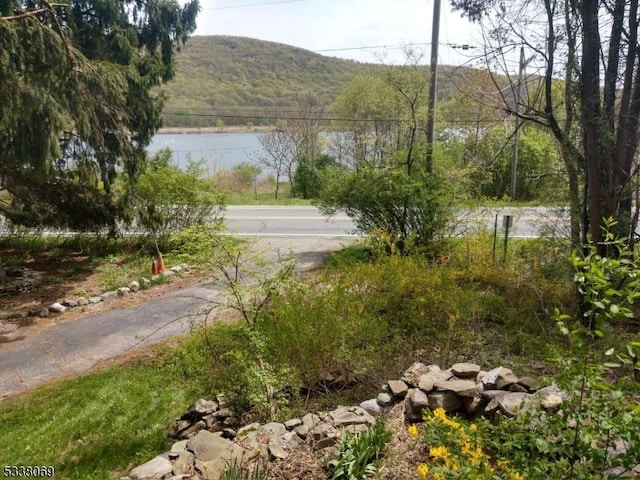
<point>431,109</point>
<point>516,135</point>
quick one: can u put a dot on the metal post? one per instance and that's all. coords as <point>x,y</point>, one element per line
<point>431,108</point>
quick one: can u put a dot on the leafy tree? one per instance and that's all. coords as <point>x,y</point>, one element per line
<point>168,199</point>
<point>307,181</point>
<point>593,45</point>
<point>78,104</point>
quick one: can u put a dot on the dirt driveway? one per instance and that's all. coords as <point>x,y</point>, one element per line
<point>65,346</point>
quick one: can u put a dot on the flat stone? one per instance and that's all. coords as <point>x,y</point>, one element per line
<point>124,291</point>
<point>427,381</point>
<point>385,399</point>
<point>44,312</point>
<point>177,448</point>
<point>69,302</point>
<point>223,413</point>
<point>82,301</point>
<point>276,451</point>
<point>513,402</point>
<point>213,469</point>
<point>292,440</point>
<point>184,463</point>
<point>531,384</point>
<point>293,423</point>
<point>412,374</point>
<point>168,273</point>
<point>498,378</point>
<point>463,388</point>
<point>447,400</point>
<point>177,268</point>
<point>274,429</point>
<point>324,435</point>
<point>342,417</point>
<point>207,446</point>
<point>398,388</point>
<point>134,286</point>
<point>145,283</point>
<point>371,407</point>
<point>155,469</point>
<point>106,296</point>
<point>465,370</point>
<point>252,427</point>
<point>202,407</point>
<point>57,308</point>
<point>94,300</point>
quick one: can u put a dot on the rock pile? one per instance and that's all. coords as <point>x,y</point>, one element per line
<point>463,388</point>
<point>207,442</point>
<point>209,445</point>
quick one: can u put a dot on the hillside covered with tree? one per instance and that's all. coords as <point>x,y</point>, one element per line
<point>240,80</point>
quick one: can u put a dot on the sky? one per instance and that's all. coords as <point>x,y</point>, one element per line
<point>345,28</point>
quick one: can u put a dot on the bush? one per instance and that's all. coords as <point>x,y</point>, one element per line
<point>168,199</point>
<point>410,210</point>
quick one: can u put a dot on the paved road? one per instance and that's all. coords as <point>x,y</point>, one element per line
<point>307,221</point>
<point>291,221</point>
<point>75,346</point>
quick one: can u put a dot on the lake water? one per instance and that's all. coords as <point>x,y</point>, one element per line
<point>220,151</point>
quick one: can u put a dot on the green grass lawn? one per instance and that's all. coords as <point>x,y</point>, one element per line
<point>96,426</point>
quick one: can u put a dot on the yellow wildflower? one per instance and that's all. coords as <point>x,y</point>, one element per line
<point>502,464</point>
<point>516,476</point>
<point>423,471</point>
<point>466,448</point>
<point>473,427</point>
<point>476,457</point>
<point>437,476</point>
<point>440,414</point>
<point>412,431</point>
<point>439,453</point>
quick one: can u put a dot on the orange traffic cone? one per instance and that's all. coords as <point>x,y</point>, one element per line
<point>160,262</point>
<point>154,267</point>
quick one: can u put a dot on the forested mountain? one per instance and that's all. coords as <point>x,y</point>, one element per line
<point>240,80</point>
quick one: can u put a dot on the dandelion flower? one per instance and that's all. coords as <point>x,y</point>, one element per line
<point>412,430</point>
<point>516,476</point>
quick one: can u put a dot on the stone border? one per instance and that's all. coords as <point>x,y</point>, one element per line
<point>64,305</point>
<point>207,442</point>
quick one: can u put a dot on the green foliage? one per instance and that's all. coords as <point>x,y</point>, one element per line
<point>358,452</point>
<point>485,158</point>
<point>410,211</point>
<point>237,471</point>
<point>584,438</point>
<point>307,179</point>
<point>77,104</point>
<point>168,199</point>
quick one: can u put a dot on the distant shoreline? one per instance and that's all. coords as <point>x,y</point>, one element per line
<point>209,130</point>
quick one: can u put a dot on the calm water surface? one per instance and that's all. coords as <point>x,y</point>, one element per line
<point>220,151</point>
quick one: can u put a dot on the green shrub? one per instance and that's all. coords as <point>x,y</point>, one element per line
<point>410,210</point>
<point>358,452</point>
